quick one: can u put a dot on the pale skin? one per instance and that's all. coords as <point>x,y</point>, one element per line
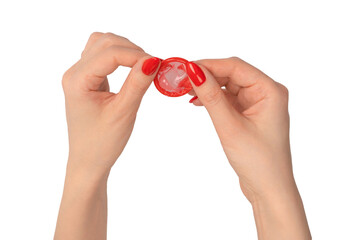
<point>250,115</point>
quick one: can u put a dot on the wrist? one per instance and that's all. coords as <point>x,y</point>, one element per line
<point>87,166</point>
<point>267,188</point>
<point>278,191</point>
<point>281,215</point>
<point>82,172</point>
<point>278,201</point>
<point>84,184</point>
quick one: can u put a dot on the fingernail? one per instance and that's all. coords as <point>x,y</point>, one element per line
<point>150,65</point>
<point>195,73</point>
<point>193,99</point>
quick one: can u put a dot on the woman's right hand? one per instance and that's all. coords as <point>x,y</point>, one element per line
<point>250,115</point>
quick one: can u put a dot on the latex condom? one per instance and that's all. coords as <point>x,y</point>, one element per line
<point>172,79</point>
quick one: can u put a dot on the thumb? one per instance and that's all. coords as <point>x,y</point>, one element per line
<point>211,96</point>
<point>138,81</point>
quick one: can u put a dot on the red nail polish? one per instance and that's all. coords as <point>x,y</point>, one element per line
<point>193,99</point>
<point>150,65</point>
<point>195,73</point>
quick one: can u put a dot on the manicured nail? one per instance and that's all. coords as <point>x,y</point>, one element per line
<point>150,65</point>
<point>195,73</point>
<point>193,99</point>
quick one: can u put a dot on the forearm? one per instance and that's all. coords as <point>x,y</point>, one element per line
<point>281,216</point>
<point>83,209</point>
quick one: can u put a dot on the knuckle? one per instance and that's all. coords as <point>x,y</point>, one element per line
<point>112,35</point>
<point>138,48</point>
<point>108,40</point>
<point>236,63</point>
<point>66,74</point>
<point>109,35</point>
<point>234,58</point>
<point>280,93</point>
<point>284,92</point>
<point>124,38</point>
<point>66,78</point>
<point>212,97</point>
<point>95,35</point>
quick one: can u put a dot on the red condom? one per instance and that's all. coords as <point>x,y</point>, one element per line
<point>172,79</point>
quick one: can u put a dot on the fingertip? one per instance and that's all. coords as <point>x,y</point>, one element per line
<point>150,65</point>
<point>195,73</point>
<point>193,99</point>
<point>197,103</point>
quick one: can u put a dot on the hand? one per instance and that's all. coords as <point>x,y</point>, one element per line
<point>100,122</point>
<point>250,115</point>
<point>251,118</point>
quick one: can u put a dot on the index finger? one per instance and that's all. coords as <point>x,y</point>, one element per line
<point>94,70</point>
<point>239,71</point>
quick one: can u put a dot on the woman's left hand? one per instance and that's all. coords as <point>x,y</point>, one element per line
<point>100,122</point>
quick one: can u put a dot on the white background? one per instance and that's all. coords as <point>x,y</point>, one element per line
<point>173,180</point>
